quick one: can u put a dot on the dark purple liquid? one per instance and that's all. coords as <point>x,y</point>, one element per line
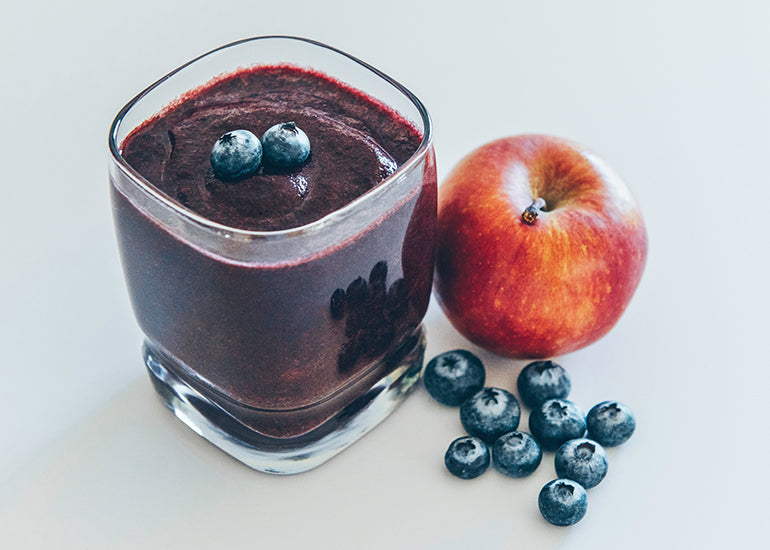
<point>355,144</point>
<point>283,347</point>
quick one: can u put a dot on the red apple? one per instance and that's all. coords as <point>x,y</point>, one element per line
<point>540,246</point>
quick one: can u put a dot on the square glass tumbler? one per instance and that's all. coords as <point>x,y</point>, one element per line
<point>280,347</point>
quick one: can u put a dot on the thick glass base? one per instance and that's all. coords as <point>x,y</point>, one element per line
<point>294,454</point>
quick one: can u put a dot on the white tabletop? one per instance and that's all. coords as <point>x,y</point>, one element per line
<point>676,95</point>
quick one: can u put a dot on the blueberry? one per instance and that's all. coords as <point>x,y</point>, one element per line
<point>542,380</point>
<point>337,304</point>
<point>556,421</point>
<point>490,413</point>
<point>286,146</point>
<point>236,154</point>
<point>467,457</point>
<point>379,272</point>
<point>581,460</point>
<point>563,502</point>
<point>516,454</point>
<point>610,423</point>
<point>397,303</point>
<point>356,293</point>
<point>453,376</point>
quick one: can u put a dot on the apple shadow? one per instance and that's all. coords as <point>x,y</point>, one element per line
<point>442,336</point>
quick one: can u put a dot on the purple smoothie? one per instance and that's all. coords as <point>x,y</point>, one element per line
<point>282,346</point>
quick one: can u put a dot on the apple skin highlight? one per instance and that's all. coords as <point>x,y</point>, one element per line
<point>545,289</point>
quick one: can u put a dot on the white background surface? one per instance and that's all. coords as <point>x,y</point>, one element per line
<point>676,95</point>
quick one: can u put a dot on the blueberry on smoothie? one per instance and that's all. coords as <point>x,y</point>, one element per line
<point>490,413</point>
<point>453,376</point>
<point>556,421</point>
<point>285,145</point>
<point>563,502</point>
<point>236,154</point>
<point>542,380</point>
<point>467,457</point>
<point>581,460</point>
<point>516,454</point>
<point>610,423</point>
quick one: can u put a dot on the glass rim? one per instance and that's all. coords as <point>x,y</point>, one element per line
<point>329,219</point>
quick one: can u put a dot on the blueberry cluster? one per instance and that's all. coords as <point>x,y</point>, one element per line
<point>491,418</point>
<point>374,314</point>
<point>239,153</point>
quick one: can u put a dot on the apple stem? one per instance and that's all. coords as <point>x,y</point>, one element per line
<point>531,212</point>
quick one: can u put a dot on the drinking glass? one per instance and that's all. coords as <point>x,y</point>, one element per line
<point>280,347</point>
